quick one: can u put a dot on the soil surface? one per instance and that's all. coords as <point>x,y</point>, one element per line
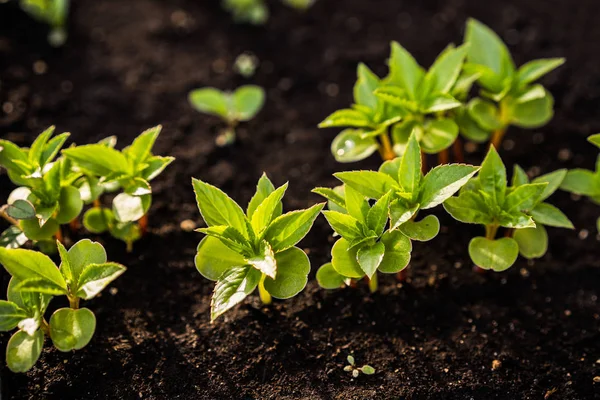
<point>532,332</point>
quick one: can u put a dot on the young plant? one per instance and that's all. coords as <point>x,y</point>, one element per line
<point>400,191</point>
<point>244,250</point>
<point>584,182</point>
<point>256,12</point>
<point>533,242</point>
<point>53,13</point>
<point>83,274</point>
<point>103,168</point>
<point>365,369</point>
<point>509,96</point>
<point>47,195</point>
<point>487,200</point>
<point>232,107</point>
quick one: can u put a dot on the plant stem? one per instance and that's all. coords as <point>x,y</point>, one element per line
<point>74,225</point>
<point>402,275</point>
<point>59,235</point>
<point>497,137</point>
<point>97,203</point>
<point>509,232</point>
<point>265,297</point>
<point>373,285</point>
<point>385,149</point>
<point>457,148</point>
<point>7,217</point>
<point>424,166</point>
<point>45,327</point>
<point>143,223</point>
<point>129,245</point>
<point>490,231</point>
<point>74,302</point>
<point>443,157</point>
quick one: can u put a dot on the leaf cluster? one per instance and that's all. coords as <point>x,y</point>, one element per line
<point>51,12</point>
<point>243,250</point>
<point>83,273</point>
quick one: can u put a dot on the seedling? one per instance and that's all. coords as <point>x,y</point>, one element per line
<point>53,13</point>
<point>232,107</point>
<point>400,187</point>
<point>246,64</point>
<point>83,274</point>
<point>585,182</point>
<point>487,200</point>
<point>365,369</point>
<point>509,96</point>
<point>47,196</point>
<point>103,168</point>
<point>533,242</point>
<point>256,12</point>
<point>244,250</point>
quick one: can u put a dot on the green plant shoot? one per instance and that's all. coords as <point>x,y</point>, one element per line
<point>232,107</point>
<point>244,250</point>
<point>53,13</point>
<point>83,274</point>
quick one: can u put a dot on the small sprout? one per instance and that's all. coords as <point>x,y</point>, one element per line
<point>399,190</point>
<point>239,106</point>
<point>365,369</point>
<point>244,250</point>
<point>584,182</point>
<point>53,13</point>
<point>253,12</point>
<point>83,274</point>
<point>246,64</point>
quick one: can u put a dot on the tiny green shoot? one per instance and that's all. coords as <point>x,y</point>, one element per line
<point>352,368</point>
<point>53,13</point>
<point>242,251</point>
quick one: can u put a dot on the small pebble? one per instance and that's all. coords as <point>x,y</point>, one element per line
<point>597,379</point>
<point>187,225</point>
<point>583,234</point>
<point>40,67</point>
<point>496,364</point>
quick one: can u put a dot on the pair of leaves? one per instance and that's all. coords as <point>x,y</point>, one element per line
<point>240,247</point>
<point>241,105</point>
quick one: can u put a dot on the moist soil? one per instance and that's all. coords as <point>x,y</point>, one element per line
<point>532,332</point>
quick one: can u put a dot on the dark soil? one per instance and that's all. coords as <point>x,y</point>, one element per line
<point>128,65</point>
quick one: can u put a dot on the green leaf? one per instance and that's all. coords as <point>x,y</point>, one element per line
<point>95,277</point>
<point>516,220</point>
<point>31,228</point>
<point>128,208</point>
<point>365,85</point>
<point>70,205</point>
<point>84,253</point>
<point>40,285</point>
<point>344,225</point>
<point>293,267</point>
<point>581,182</point>
<point>391,167</point>
<point>532,114</point>
<point>247,102</point>
<point>288,229</point>
<point>469,128</point>
<point>530,93</point>
<point>12,238</point>
<point>343,259</point>
<point>498,255</point>
<point>533,242</point>
<point>98,159</point>
<point>356,204</point>
<point>397,252</point>
<point>263,189</point>
<point>213,258</point>
<point>524,197</point>
<point>23,351</point>
<point>370,257</point>
<point>264,261</point>
<point>442,182</point>
<point>409,174</point>
<point>154,166</point>
<point>439,135</point>
<point>438,102</point>
<point>547,214</point>
<point>329,278</point>
<point>217,208</point>
<point>553,180</point>
<point>445,70</point>
<point>594,139</point>
<point>533,70</point>
<point>492,176</point>
<point>400,213</point>
<point>332,196</point>
<point>32,302</point>
<point>210,101</point>
<point>97,219</point>
<point>423,230</point>
<point>38,145</point>
<point>230,237</point>
<point>485,114</point>
<point>469,208</point>
<point>349,146</point>
<point>141,147</point>
<point>10,315</point>
<point>486,48</point>
<point>520,177</point>
<point>269,209</point>
<point>404,70</point>
<point>52,148</point>
<point>14,159</point>
<point>233,286</point>
<point>72,329</point>
<point>347,117</point>
<point>28,264</point>
<point>367,370</point>
<point>372,184</point>
<point>21,209</point>
<point>378,214</point>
